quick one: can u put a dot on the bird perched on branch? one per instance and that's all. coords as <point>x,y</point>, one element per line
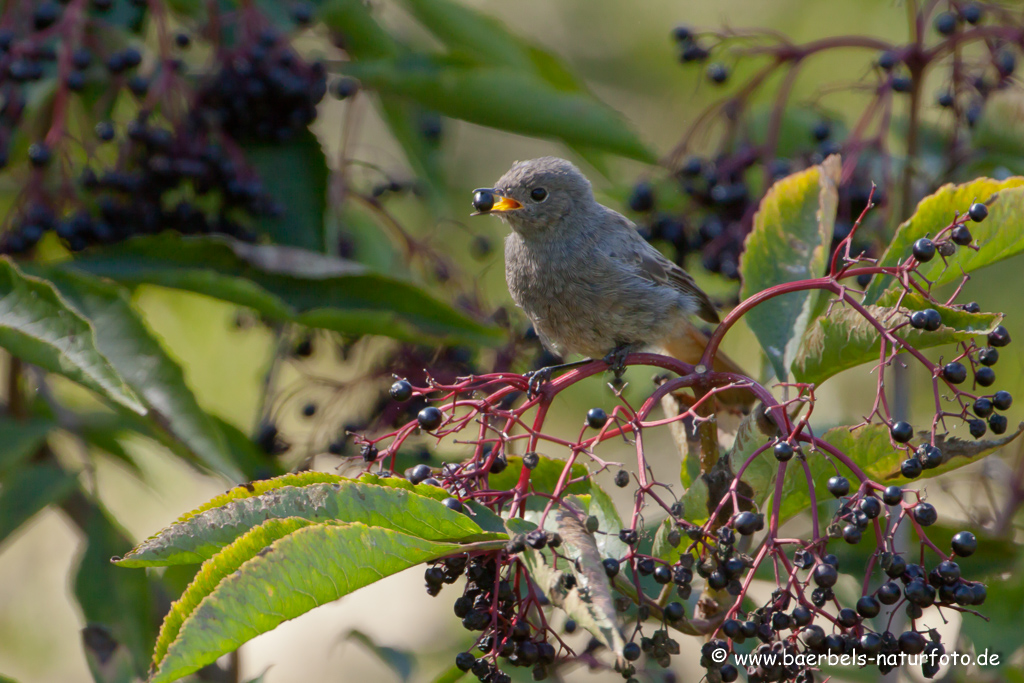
<point>587,280</point>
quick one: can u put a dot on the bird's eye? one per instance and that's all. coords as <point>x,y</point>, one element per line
<point>538,194</point>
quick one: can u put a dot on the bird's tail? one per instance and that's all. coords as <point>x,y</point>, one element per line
<point>688,345</point>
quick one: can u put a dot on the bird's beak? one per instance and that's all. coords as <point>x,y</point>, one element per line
<point>504,203</point>
<point>486,200</point>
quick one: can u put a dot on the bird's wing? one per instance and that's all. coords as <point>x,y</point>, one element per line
<point>652,265</point>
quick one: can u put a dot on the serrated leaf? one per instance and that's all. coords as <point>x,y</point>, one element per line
<point>871,449</point>
<point>516,101</point>
<point>287,284</point>
<point>789,241</point>
<point>215,570</point>
<point>482,516</point>
<point>201,536</point>
<point>295,175</point>
<point>588,600</point>
<point>957,452</point>
<point>399,661</point>
<point>38,327</point>
<point>21,439</point>
<point>124,340</point>
<point>308,568</point>
<point>844,339</point>
<point>27,490</point>
<point>1000,236</point>
<point>119,601</point>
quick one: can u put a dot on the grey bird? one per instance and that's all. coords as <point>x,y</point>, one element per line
<point>584,276</point>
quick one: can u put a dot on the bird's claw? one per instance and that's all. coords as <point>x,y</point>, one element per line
<point>616,360</point>
<point>536,379</point>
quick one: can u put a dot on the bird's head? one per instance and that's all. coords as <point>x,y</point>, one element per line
<point>535,196</point>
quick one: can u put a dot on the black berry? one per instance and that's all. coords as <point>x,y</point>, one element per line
<point>430,418</point>
<point>985,376</point>
<point>783,451</point>
<point>964,543</point>
<point>901,432</point>
<point>978,212</point>
<point>838,486</point>
<point>954,372</point>
<point>596,418</point>
<point>977,428</point>
<point>924,250</point>
<point>998,424</point>
<point>945,23</point>
<point>622,479</point>
<point>924,514</point>
<point>893,495</point>
<point>961,235</point>
<point>982,407</point>
<point>988,357</point>
<point>1002,400</point>
<point>999,337</point>
<point>401,390</point>
<point>718,73</point>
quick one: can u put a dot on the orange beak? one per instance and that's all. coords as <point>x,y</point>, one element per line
<point>488,201</point>
<point>505,204</point>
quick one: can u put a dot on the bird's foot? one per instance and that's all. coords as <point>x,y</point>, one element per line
<point>538,377</point>
<point>616,360</point>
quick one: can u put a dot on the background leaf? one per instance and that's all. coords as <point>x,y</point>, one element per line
<point>789,241</point>
<point>20,440</point>
<point>399,661</point>
<point>295,175</point>
<point>27,490</point>
<point>287,284</point>
<point>36,326</point>
<point>516,101</point>
<point>126,342</point>
<point>118,600</point>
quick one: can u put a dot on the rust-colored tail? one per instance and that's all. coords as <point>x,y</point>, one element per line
<point>688,346</point>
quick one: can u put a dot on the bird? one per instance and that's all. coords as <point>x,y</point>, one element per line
<point>587,280</point>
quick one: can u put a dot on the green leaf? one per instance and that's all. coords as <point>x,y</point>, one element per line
<point>956,453</point>
<point>1000,236</point>
<point>871,449</point>
<point>305,569</point>
<point>201,536</point>
<point>599,504</point>
<point>789,242</point>
<point>117,600</point>
<point>38,327</point>
<point>453,674</point>
<point>215,570</point>
<point>258,488</point>
<point>288,285</point>
<point>999,630</point>
<point>27,490</point>
<point>482,516</point>
<point>502,97</point>
<point>845,339</point>
<point>124,340</point>
<point>543,478</point>
<point>295,175</point>
<point>399,661</point>
<point>588,599</point>
<point>21,439</point>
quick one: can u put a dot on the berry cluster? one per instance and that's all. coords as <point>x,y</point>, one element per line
<point>264,91</point>
<point>174,168</point>
<point>721,188</point>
